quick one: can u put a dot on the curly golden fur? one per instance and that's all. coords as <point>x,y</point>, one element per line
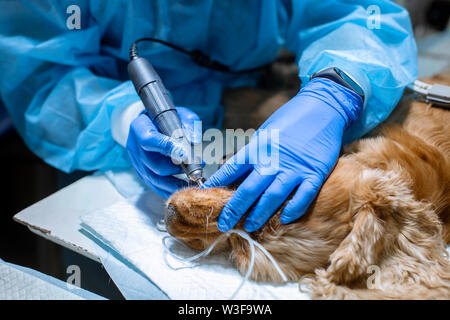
<point>377,230</point>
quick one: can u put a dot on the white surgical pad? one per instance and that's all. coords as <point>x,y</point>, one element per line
<point>19,283</point>
<point>129,228</point>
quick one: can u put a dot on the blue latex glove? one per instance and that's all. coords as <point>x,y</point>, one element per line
<point>311,126</point>
<point>151,152</point>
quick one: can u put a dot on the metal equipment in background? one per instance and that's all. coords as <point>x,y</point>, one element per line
<point>436,94</point>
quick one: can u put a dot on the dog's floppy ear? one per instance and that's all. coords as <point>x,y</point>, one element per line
<point>359,250</point>
<point>361,247</point>
<point>394,233</point>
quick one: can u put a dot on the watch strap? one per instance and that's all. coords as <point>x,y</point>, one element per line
<point>340,77</point>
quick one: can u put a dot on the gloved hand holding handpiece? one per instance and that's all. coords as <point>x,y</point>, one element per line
<point>151,152</point>
<point>159,135</point>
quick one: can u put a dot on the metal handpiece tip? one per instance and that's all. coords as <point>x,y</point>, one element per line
<point>197,177</point>
<point>200,183</point>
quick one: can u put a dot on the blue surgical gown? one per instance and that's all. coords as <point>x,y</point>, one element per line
<point>60,86</point>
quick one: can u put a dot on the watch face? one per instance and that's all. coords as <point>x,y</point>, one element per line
<point>350,81</point>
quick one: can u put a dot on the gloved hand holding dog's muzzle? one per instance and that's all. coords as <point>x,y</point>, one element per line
<point>301,143</point>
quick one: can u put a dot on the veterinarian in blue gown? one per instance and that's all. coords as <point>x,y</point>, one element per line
<point>67,89</point>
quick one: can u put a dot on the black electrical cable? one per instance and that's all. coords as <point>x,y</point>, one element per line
<point>197,56</point>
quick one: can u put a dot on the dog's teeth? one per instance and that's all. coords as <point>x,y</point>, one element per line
<point>161,226</point>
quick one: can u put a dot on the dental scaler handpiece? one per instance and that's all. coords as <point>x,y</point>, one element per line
<point>161,110</point>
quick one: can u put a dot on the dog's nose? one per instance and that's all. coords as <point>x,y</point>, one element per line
<point>170,214</point>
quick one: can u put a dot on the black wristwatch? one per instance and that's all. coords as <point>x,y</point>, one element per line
<point>339,76</point>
